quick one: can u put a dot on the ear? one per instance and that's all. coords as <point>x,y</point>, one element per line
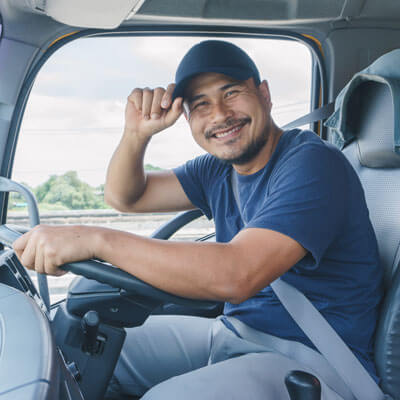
<point>264,92</point>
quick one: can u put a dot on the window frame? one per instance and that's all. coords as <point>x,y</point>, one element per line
<point>318,73</point>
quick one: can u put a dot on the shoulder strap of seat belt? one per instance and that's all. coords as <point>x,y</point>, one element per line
<point>321,334</point>
<point>317,115</point>
<point>327,341</point>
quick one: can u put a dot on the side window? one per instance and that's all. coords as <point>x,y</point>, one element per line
<point>75,117</point>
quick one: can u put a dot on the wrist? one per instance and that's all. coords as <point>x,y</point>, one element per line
<point>135,137</point>
<point>99,242</point>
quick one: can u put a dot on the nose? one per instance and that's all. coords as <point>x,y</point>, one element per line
<point>220,112</point>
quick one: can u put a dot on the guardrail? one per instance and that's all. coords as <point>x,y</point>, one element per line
<point>142,224</point>
<point>17,217</point>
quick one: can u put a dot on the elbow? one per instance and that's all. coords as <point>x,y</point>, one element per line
<point>237,290</point>
<point>238,296</point>
<point>243,283</point>
<point>116,202</point>
<point>108,199</point>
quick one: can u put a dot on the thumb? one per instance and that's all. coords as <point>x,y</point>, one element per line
<point>174,112</point>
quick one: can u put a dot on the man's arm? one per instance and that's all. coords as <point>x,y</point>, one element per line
<point>231,271</point>
<point>128,188</point>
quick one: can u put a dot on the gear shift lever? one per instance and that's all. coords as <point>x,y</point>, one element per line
<point>303,386</point>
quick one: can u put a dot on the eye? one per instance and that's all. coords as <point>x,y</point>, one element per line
<point>199,105</point>
<point>232,92</point>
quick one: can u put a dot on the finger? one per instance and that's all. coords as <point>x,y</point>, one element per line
<point>52,262</point>
<point>20,244</point>
<point>177,105</point>
<point>39,260</point>
<point>27,257</point>
<point>136,98</point>
<point>167,98</point>
<point>51,267</point>
<point>147,101</point>
<point>156,105</point>
<point>59,272</point>
<point>174,112</point>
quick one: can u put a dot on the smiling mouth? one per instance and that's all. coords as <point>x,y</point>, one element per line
<point>232,131</point>
<point>227,133</point>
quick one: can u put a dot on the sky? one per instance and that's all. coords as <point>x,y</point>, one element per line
<point>75,113</point>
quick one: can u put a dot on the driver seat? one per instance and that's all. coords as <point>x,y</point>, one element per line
<point>369,123</point>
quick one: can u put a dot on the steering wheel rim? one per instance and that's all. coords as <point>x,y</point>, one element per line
<point>113,276</point>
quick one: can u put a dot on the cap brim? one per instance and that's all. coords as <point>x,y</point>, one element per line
<point>235,73</point>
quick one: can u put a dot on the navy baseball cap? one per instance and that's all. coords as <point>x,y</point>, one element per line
<point>214,56</point>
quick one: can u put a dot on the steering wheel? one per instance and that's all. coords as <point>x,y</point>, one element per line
<point>101,271</point>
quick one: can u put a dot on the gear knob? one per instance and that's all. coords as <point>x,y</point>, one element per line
<point>90,326</point>
<point>303,386</point>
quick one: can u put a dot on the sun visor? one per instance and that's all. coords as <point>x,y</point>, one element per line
<point>103,14</point>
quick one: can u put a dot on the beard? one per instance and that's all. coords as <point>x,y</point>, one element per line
<point>250,152</point>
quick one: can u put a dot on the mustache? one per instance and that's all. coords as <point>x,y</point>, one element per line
<point>228,124</point>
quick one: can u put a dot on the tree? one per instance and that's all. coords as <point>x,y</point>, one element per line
<point>68,190</point>
<point>150,167</point>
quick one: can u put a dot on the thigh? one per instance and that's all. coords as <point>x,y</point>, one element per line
<point>252,376</point>
<point>164,346</point>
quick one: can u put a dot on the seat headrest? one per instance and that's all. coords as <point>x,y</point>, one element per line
<point>365,110</point>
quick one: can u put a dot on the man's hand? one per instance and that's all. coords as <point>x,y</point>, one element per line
<point>128,187</point>
<point>149,111</point>
<point>45,247</point>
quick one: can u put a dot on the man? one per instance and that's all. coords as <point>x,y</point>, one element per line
<point>300,214</point>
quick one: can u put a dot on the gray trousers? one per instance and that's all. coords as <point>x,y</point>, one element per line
<point>182,357</point>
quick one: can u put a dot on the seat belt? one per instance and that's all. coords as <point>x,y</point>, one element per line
<point>321,334</point>
<point>317,115</point>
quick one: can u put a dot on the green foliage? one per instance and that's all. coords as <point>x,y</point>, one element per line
<point>66,192</point>
<point>149,167</point>
<point>69,191</point>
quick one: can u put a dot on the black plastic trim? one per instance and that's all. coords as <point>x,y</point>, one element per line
<point>173,225</point>
<point>165,30</point>
<point>1,27</point>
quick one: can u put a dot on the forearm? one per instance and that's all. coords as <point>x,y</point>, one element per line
<point>233,271</point>
<point>126,180</point>
<point>195,270</point>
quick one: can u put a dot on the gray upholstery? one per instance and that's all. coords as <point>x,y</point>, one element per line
<point>372,121</point>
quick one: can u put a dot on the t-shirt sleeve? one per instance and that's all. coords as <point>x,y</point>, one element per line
<point>306,201</point>
<point>193,176</point>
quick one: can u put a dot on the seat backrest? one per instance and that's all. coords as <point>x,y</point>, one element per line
<point>370,119</point>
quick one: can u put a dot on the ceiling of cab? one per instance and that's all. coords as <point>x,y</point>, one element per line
<point>109,14</point>
<point>244,9</point>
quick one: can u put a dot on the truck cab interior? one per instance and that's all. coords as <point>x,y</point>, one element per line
<point>57,351</point>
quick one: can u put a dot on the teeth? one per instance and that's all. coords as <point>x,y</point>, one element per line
<point>221,135</point>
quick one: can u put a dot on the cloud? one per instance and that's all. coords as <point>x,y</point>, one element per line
<point>109,68</point>
<point>75,114</point>
<point>57,114</point>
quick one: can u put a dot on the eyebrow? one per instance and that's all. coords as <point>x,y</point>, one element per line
<point>221,89</point>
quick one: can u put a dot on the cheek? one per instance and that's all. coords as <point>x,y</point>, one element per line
<point>197,129</point>
<point>196,138</point>
<point>261,113</point>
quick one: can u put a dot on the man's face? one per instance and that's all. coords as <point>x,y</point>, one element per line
<point>230,119</point>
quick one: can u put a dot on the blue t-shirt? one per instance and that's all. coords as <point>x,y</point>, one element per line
<point>309,192</point>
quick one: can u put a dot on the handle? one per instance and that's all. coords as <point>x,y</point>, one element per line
<point>7,185</point>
